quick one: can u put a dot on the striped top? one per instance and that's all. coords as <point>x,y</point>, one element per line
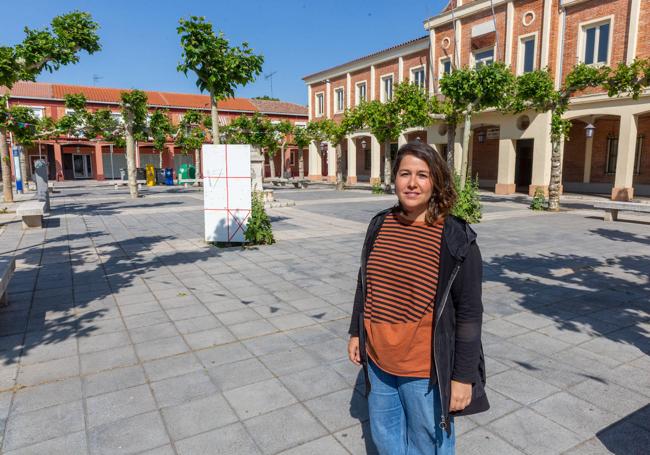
<point>402,277</point>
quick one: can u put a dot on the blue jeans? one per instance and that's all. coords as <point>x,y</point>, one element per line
<point>404,416</point>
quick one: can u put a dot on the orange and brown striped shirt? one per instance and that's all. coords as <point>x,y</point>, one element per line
<point>402,277</point>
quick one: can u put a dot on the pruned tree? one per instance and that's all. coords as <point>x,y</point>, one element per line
<point>191,135</point>
<point>134,115</point>
<point>45,49</point>
<point>160,129</point>
<point>283,133</point>
<point>219,67</point>
<point>337,132</point>
<point>302,140</point>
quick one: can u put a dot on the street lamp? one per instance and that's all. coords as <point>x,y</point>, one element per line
<point>323,147</point>
<point>589,131</point>
<point>363,144</point>
<point>481,137</point>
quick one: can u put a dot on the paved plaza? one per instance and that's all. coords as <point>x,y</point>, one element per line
<point>126,333</point>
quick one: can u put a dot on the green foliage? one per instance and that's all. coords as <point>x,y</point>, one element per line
<point>23,124</point>
<point>191,133</point>
<point>219,68</point>
<point>377,188</point>
<point>160,128</point>
<point>629,79</point>
<point>49,48</point>
<point>258,228</point>
<point>266,98</point>
<point>539,200</point>
<point>256,130</point>
<point>301,137</point>
<point>468,204</point>
<point>134,112</point>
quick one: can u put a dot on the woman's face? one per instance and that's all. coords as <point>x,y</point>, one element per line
<point>413,184</point>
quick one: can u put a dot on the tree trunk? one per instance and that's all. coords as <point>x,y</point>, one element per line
<point>272,165</point>
<point>301,164</point>
<point>282,160</point>
<point>6,167</point>
<point>556,176</point>
<point>215,119</point>
<point>451,140</point>
<point>130,162</point>
<point>160,159</point>
<point>197,166</point>
<point>387,168</point>
<point>467,130</point>
<point>23,169</point>
<point>339,168</point>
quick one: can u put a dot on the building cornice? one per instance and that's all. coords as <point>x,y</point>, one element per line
<point>460,12</point>
<point>410,47</point>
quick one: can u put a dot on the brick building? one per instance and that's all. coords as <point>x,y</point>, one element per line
<point>71,158</point>
<point>509,153</point>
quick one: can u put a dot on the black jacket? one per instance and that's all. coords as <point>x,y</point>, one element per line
<point>456,340</point>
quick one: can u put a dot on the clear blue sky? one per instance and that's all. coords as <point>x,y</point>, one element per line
<point>140,46</point>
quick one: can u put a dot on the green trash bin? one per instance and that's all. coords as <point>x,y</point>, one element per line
<point>186,172</point>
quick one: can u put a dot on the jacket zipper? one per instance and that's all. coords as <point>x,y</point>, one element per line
<point>443,420</point>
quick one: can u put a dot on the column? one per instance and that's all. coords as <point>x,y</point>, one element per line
<point>542,156</point>
<point>137,154</point>
<point>506,167</point>
<point>352,161</point>
<point>470,153</point>
<point>375,150</point>
<point>400,69</point>
<point>633,31</point>
<point>510,14</point>
<point>372,83</point>
<point>546,33</point>
<point>458,150</point>
<point>99,162</point>
<point>58,160</point>
<point>331,162</point>
<point>589,145</point>
<point>623,189</point>
<point>314,159</point>
<point>432,60</point>
<point>560,48</point>
<point>348,90</point>
<point>328,99</point>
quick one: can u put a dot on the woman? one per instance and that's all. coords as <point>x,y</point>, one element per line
<point>416,322</point>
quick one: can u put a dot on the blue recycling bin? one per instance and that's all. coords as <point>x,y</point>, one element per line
<point>169,176</point>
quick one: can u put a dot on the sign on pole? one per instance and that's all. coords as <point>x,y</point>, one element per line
<point>17,169</point>
<point>226,191</point>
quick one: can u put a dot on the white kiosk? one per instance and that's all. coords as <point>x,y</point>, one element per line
<point>226,191</point>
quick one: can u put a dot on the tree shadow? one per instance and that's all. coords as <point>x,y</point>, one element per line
<point>630,435</point>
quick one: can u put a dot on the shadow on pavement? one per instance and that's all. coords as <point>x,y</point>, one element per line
<point>624,438</point>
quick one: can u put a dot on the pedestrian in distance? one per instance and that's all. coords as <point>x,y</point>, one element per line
<point>416,321</point>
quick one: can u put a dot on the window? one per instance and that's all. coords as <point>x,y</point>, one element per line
<point>595,49</point>
<point>361,92</point>
<point>417,77</point>
<point>445,67</point>
<point>387,88</point>
<point>340,100</point>
<point>527,54</point>
<point>300,124</point>
<point>320,104</point>
<point>366,159</point>
<point>117,116</point>
<point>483,57</point>
<point>612,155</point>
<point>293,157</point>
<point>38,111</point>
<point>637,155</point>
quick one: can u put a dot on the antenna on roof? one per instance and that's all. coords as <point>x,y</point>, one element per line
<point>270,77</point>
<point>96,77</point>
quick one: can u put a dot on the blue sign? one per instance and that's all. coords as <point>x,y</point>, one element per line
<point>19,177</point>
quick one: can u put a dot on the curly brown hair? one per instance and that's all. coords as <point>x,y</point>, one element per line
<point>444,194</point>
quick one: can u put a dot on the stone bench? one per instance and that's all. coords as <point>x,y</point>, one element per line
<point>31,213</point>
<point>7,267</point>
<point>300,183</point>
<point>613,207</point>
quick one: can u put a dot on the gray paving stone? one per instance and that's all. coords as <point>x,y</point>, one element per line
<point>327,445</point>
<point>171,366</point>
<point>480,442</point>
<point>48,371</point>
<point>112,380</point>
<point>590,447</point>
<point>198,416</point>
<point>165,347</point>
<point>179,389</point>
<point>540,343</point>
<point>526,429</point>
<point>521,387</point>
<point>43,424</point>
<point>310,335</point>
<point>96,343</point>
<point>357,439</point>
<point>267,344</point>
<point>213,357</point>
<point>145,319</point>
<point>163,450</point>
<point>238,374</point>
<point>313,382</point>
<point>284,428</point>
<point>500,405</point>
<point>259,398</point>
<point>42,396</point>
<point>290,361</point>
<point>614,398</point>
<point>132,435</point>
<point>231,439</point>
<point>109,359</point>
<point>252,329</point>
<point>118,405</point>
<point>340,409</point>
<point>197,324</point>
<point>153,332</point>
<point>209,338</point>
<point>188,312</point>
<point>74,443</point>
<point>139,308</point>
<point>292,321</point>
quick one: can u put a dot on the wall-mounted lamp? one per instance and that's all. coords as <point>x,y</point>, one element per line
<point>363,144</point>
<point>323,147</point>
<point>481,137</point>
<point>589,131</point>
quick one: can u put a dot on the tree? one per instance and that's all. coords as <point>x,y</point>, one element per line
<point>256,130</point>
<point>316,132</point>
<point>302,140</point>
<point>337,133</point>
<point>191,135</point>
<point>46,49</point>
<point>22,124</point>
<point>134,114</point>
<point>469,91</point>
<point>219,68</point>
<point>160,128</point>
<point>410,107</point>
<point>266,98</point>
<point>283,131</point>
<point>536,90</point>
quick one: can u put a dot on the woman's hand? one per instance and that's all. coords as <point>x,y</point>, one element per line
<point>461,396</point>
<point>353,351</point>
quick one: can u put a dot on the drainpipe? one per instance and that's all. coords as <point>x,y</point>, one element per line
<point>561,60</point>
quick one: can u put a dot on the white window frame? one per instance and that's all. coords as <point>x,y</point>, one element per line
<point>582,41</point>
<point>300,124</point>
<point>337,90</point>
<point>382,92</point>
<point>357,97</point>
<point>38,111</point>
<point>441,66</point>
<point>418,68</point>
<point>321,105</point>
<point>485,49</point>
<point>521,49</point>
<point>120,120</point>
